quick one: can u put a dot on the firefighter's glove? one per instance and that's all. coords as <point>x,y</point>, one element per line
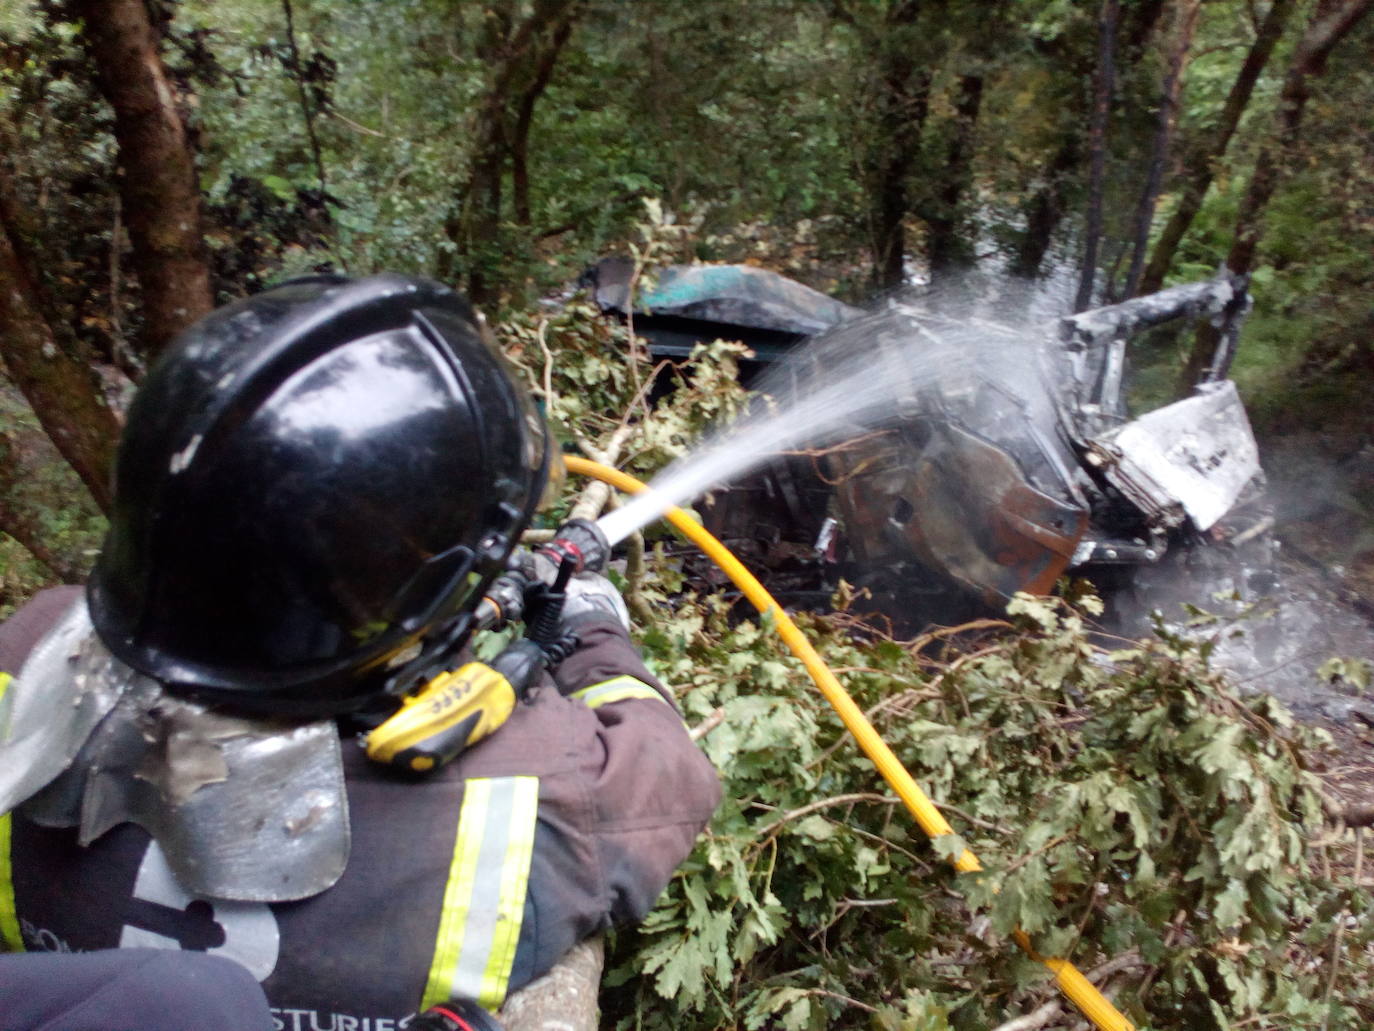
<point>589,595</point>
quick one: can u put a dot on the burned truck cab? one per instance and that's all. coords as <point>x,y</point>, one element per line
<point>1016,460</point>
<point>1007,456</point>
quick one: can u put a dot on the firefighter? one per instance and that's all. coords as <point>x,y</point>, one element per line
<point>315,489</point>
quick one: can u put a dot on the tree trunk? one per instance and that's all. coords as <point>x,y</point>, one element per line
<point>1187,15</point>
<point>520,136</point>
<point>474,225</point>
<point>1105,81</point>
<point>1049,200</point>
<point>296,69</point>
<point>515,54</point>
<point>1332,21</point>
<point>59,390</point>
<point>482,221</point>
<point>949,246</point>
<point>158,184</point>
<point>1201,159</point>
<point>1046,208</point>
<point>1137,25</point>
<point>903,103</point>
<point>1329,27</point>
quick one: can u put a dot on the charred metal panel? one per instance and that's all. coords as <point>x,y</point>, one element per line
<point>1192,458</point>
<point>964,507</point>
<point>1094,341</point>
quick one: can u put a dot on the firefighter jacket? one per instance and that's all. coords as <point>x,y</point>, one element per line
<point>467,884</point>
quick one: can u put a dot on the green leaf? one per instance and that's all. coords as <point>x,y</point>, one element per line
<point>949,846</point>
<point>815,827</point>
<point>1230,904</point>
<point>281,187</point>
<point>1040,611</point>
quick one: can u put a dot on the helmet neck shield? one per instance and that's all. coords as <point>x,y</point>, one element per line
<point>250,810</point>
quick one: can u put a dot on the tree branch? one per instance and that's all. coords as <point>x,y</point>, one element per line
<point>867,796</point>
<point>60,391</point>
<point>159,185</point>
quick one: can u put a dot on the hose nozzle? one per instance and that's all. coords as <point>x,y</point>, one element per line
<point>582,541</point>
<point>579,546</point>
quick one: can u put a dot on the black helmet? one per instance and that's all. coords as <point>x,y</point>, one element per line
<point>314,487</point>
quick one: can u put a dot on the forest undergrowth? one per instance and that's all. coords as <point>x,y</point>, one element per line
<point>1131,811</point>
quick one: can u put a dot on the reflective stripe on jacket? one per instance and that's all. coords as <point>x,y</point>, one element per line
<point>9,920</point>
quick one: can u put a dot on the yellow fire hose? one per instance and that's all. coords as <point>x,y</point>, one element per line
<point>1081,992</point>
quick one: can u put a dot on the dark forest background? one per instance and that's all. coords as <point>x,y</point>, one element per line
<point>158,158</point>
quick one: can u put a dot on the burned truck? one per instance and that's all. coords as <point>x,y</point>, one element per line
<point>1010,459</point>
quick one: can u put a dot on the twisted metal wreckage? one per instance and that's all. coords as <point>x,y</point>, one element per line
<point>998,473</point>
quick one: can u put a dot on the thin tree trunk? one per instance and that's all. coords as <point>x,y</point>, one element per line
<point>60,391</point>
<point>1332,22</point>
<point>1201,159</point>
<point>520,137</point>
<point>892,169</point>
<point>903,103</point>
<point>1137,25</point>
<point>1097,136</point>
<point>161,194</point>
<point>297,71</point>
<point>1187,15</point>
<point>1046,207</point>
<point>1049,201</point>
<point>949,246</point>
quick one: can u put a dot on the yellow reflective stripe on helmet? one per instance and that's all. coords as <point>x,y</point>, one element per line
<point>617,689</point>
<point>10,937</point>
<point>484,900</point>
